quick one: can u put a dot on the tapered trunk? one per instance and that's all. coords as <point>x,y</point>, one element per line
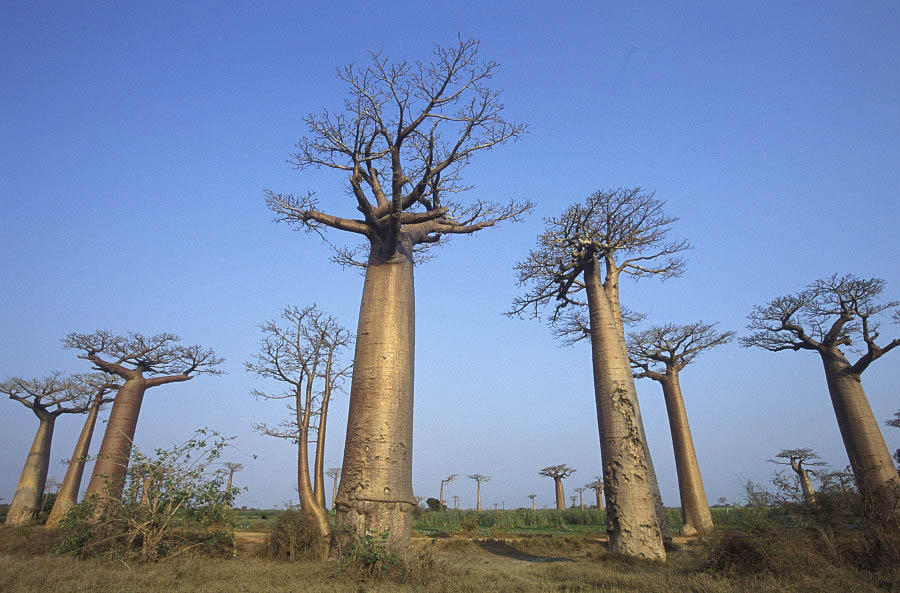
<point>632,517</point>
<point>533,505</point>
<point>230,483</point>
<point>376,482</point>
<point>806,485</point>
<point>334,486</point>
<point>873,468</point>
<point>478,499</point>
<point>661,516</point>
<point>314,514</point>
<point>108,478</point>
<point>67,497</point>
<point>560,494</point>
<point>319,485</point>
<point>441,496</point>
<point>695,513</point>
<point>26,503</point>
<point>599,494</point>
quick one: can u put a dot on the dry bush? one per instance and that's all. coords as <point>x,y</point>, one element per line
<point>290,538</point>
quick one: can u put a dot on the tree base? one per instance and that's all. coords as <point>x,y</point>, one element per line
<point>360,517</point>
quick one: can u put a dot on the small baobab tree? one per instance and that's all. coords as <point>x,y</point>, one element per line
<point>479,480</point>
<point>303,353</point>
<point>580,490</point>
<point>661,353</point>
<point>335,473</point>
<point>404,135</point>
<point>141,363</point>
<point>597,487</point>
<point>446,480</point>
<point>533,503</point>
<point>558,473</point>
<point>800,460</point>
<point>101,384</point>
<point>232,467</point>
<point>48,398</point>
<point>827,318</point>
<point>577,265</point>
<point>456,501</point>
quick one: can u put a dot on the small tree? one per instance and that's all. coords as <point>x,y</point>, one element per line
<point>580,490</point>
<point>533,504</point>
<point>446,480</point>
<point>661,353</point>
<point>48,398</point>
<point>455,502</point>
<point>825,318</point>
<point>558,473</point>
<point>479,480</point>
<point>141,362</point>
<point>597,487</point>
<point>232,468</point>
<point>304,353</point>
<point>800,460</point>
<point>335,473</point>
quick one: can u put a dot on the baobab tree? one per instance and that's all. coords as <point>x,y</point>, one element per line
<point>455,502</point>
<point>558,473</point>
<point>304,353</point>
<point>335,473</point>
<point>533,504</point>
<point>577,265</point>
<point>101,384</point>
<point>141,362</point>
<point>661,353</point>
<point>580,490</point>
<point>446,480</point>
<point>826,318</point>
<point>48,398</point>
<point>479,480</point>
<point>232,468</point>
<point>800,460</point>
<point>405,134</point>
<point>597,487</point>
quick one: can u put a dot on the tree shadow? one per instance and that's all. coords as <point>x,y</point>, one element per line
<point>501,548</point>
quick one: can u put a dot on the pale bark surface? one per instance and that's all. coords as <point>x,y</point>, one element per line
<point>479,479</point>
<point>558,473</point>
<point>26,503</point>
<point>830,315</point>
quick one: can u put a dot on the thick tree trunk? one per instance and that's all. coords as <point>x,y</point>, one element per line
<point>632,515</point>
<point>376,482</point>
<point>67,497</point>
<point>873,468</point>
<point>314,514</point>
<point>560,494</point>
<point>441,495</point>
<point>806,485</point>
<point>599,494</point>
<point>26,503</point>
<point>695,513</point>
<point>108,478</point>
<point>478,506</point>
<point>533,505</point>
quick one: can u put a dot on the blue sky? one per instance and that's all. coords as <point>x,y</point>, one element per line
<point>135,145</point>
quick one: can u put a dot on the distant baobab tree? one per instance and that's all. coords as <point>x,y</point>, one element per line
<point>303,351</point>
<point>101,384</point>
<point>895,422</point>
<point>335,473</point>
<point>48,398</point>
<point>533,504</point>
<point>479,480</point>
<point>597,487</point>
<point>577,265</point>
<point>141,362</point>
<point>402,139</point>
<point>580,490</point>
<point>824,318</point>
<point>661,353</point>
<point>232,467</point>
<point>455,502</point>
<point>446,480</point>
<point>558,473</point>
<point>800,460</point>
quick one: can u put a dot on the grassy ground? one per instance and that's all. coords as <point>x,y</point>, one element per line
<point>457,564</point>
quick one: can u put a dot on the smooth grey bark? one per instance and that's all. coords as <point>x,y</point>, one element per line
<point>26,503</point>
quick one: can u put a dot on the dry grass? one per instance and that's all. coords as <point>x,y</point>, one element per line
<point>456,565</point>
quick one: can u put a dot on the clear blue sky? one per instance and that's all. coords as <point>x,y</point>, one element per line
<point>135,145</point>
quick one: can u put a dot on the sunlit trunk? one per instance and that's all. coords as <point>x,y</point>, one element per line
<point>806,485</point>
<point>873,468</point>
<point>108,477</point>
<point>599,493</point>
<point>319,484</point>
<point>67,497</point>
<point>376,492</point>
<point>560,495</point>
<point>694,505</point>
<point>26,503</point>
<point>478,506</point>
<point>533,505</point>
<point>632,516</point>
<point>441,495</point>
<point>314,514</point>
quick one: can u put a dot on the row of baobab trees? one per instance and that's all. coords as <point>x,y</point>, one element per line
<point>400,142</point>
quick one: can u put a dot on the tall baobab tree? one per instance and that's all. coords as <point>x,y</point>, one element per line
<point>661,353</point>
<point>304,353</point>
<point>141,362</point>
<point>558,473</point>
<point>825,318</point>
<point>405,134</point>
<point>580,490</point>
<point>597,487</point>
<point>533,504</point>
<point>101,384</point>
<point>446,480</point>
<point>232,468</point>
<point>578,262</point>
<point>48,398</point>
<point>800,460</point>
<point>335,473</point>
<point>479,480</point>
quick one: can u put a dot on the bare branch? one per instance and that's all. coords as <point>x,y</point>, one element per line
<point>666,349</point>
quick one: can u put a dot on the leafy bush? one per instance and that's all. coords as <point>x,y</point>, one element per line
<point>370,558</point>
